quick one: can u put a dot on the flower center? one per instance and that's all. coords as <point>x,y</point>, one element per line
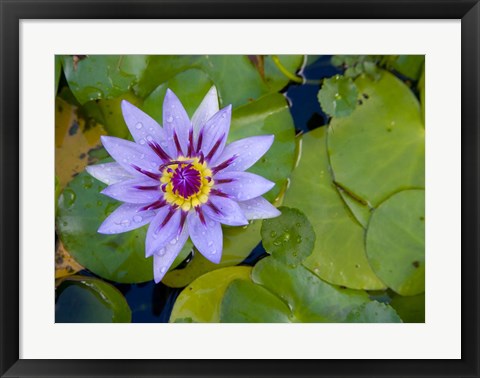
<point>186,182</point>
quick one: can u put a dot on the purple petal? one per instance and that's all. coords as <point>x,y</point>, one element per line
<point>207,238</point>
<point>214,134</point>
<point>205,111</point>
<point>245,152</point>
<point>108,173</point>
<point>225,210</point>
<point>126,218</point>
<point>242,186</point>
<point>162,262</point>
<point>164,228</point>
<point>129,154</point>
<point>176,124</point>
<point>143,128</point>
<point>258,208</point>
<point>137,190</point>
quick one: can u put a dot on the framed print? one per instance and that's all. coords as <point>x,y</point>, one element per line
<point>249,189</point>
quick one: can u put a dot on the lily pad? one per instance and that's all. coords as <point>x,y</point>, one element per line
<point>200,301</point>
<point>374,312</point>
<point>190,86</point>
<point>238,243</point>
<point>268,115</point>
<point>58,71</point>
<point>245,302</point>
<point>411,309</point>
<point>95,77</point>
<point>289,238</point>
<point>338,96</point>
<point>237,79</point>
<point>421,90</point>
<point>409,65</point>
<point>395,242</point>
<point>309,298</point>
<point>89,300</point>
<point>380,148</point>
<point>359,210</point>
<point>339,253</point>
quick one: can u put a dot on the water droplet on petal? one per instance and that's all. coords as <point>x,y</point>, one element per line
<point>125,160</point>
<point>137,218</point>
<point>210,243</point>
<point>142,156</point>
<point>170,119</point>
<point>163,269</point>
<point>214,251</point>
<point>162,252</point>
<point>149,138</point>
<point>125,222</point>
<point>109,169</point>
<point>203,232</point>
<point>142,141</point>
<point>173,241</point>
<point>138,126</point>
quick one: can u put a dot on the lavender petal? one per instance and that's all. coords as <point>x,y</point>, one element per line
<point>176,124</point>
<point>129,154</point>
<point>161,263</point>
<point>242,186</point>
<point>143,128</point>
<point>215,132</point>
<point>245,152</point>
<point>125,218</point>
<point>226,211</point>
<point>207,238</point>
<point>205,111</point>
<point>108,173</point>
<point>135,191</point>
<point>258,208</point>
<point>164,229</point>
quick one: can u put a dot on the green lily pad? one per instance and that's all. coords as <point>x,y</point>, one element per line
<point>374,312</point>
<point>338,96</point>
<point>409,65</point>
<point>411,309</point>
<point>81,210</point>
<point>289,238</point>
<point>245,302</point>
<point>200,301</point>
<point>395,242</point>
<point>309,298</point>
<point>90,300</point>
<point>274,77</point>
<point>237,80</point>
<point>380,148</point>
<point>339,253</point>
<point>190,86</point>
<point>238,243</point>
<point>359,210</point>
<point>421,90</point>
<point>95,77</point>
<point>268,115</point>
<point>58,71</point>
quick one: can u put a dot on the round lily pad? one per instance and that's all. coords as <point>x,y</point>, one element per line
<point>339,253</point>
<point>90,300</point>
<point>309,298</point>
<point>245,302</point>
<point>373,312</point>
<point>200,301</point>
<point>395,242</point>
<point>338,96</point>
<point>289,238</point>
<point>379,149</point>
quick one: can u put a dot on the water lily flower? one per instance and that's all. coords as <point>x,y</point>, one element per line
<point>183,179</point>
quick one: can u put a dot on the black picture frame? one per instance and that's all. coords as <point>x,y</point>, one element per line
<point>12,11</point>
